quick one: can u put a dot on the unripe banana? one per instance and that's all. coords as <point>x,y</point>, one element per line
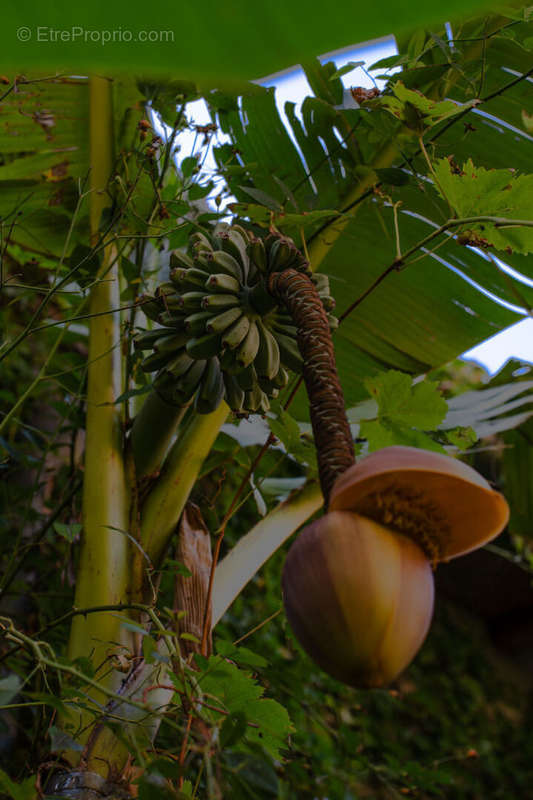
<point>189,279</point>
<point>179,364</point>
<point>164,289</point>
<point>250,345</point>
<point>205,346</point>
<point>180,259</point>
<point>165,384</point>
<point>289,352</point>
<point>191,301</point>
<point>242,231</point>
<point>280,256</point>
<point>223,283</point>
<point>204,260</point>
<point>229,363</point>
<point>197,323</point>
<point>268,387</point>
<point>287,330</point>
<point>211,389</point>
<point>151,307</point>
<point>155,361</point>
<point>220,322</point>
<point>254,398</point>
<point>169,344</point>
<point>267,360</point>
<point>281,379</point>
<point>188,383</point>
<point>219,301</point>
<point>171,319</point>
<point>264,403</point>
<point>234,244</point>
<point>258,255</point>
<point>199,241</point>
<point>247,378</point>
<point>147,339</point>
<point>226,263</point>
<point>234,335</point>
<point>172,302</point>
<point>234,393</point>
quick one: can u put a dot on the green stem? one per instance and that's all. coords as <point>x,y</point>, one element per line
<point>152,431</point>
<point>103,569</point>
<point>166,501</point>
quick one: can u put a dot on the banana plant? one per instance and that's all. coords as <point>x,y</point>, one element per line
<point>223,332</point>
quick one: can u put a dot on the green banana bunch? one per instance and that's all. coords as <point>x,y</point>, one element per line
<point>221,334</point>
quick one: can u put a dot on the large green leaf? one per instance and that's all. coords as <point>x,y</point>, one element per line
<point>212,39</point>
<point>431,309</point>
<point>44,159</point>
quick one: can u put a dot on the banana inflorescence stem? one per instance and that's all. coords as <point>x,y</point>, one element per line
<point>331,430</point>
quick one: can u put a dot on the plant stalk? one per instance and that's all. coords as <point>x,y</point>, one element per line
<point>333,438</point>
<point>103,569</point>
<point>152,432</point>
<point>164,504</point>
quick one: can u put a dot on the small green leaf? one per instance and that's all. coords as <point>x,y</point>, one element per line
<point>18,791</point>
<point>189,637</point>
<point>68,532</point>
<point>241,655</point>
<point>418,406</point>
<point>386,434</point>
<point>345,69</point>
<point>198,190</point>
<point>474,191</point>
<point>188,165</point>
<point>201,661</point>
<point>133,393</point>
<point>262,197</point>
<point>232,729</point>
<point>463,438</point>
<point>178,567</point>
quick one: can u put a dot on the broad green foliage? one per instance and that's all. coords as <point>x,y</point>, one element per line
<point>404,412</point>
<point>251,717</point>
<point>417,112</point>
<point>369,165</point>
<point>17,791</point>
<point>243,41</point>
<point>473,191</point>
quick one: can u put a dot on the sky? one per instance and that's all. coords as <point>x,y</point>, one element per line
<point>516,341</point>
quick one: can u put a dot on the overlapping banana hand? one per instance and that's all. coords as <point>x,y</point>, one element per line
<point>220,335</point>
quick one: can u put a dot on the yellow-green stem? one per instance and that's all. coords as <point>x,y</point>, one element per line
<point>152,432</point>
<point>103,568</point>
<point>166,501</point>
